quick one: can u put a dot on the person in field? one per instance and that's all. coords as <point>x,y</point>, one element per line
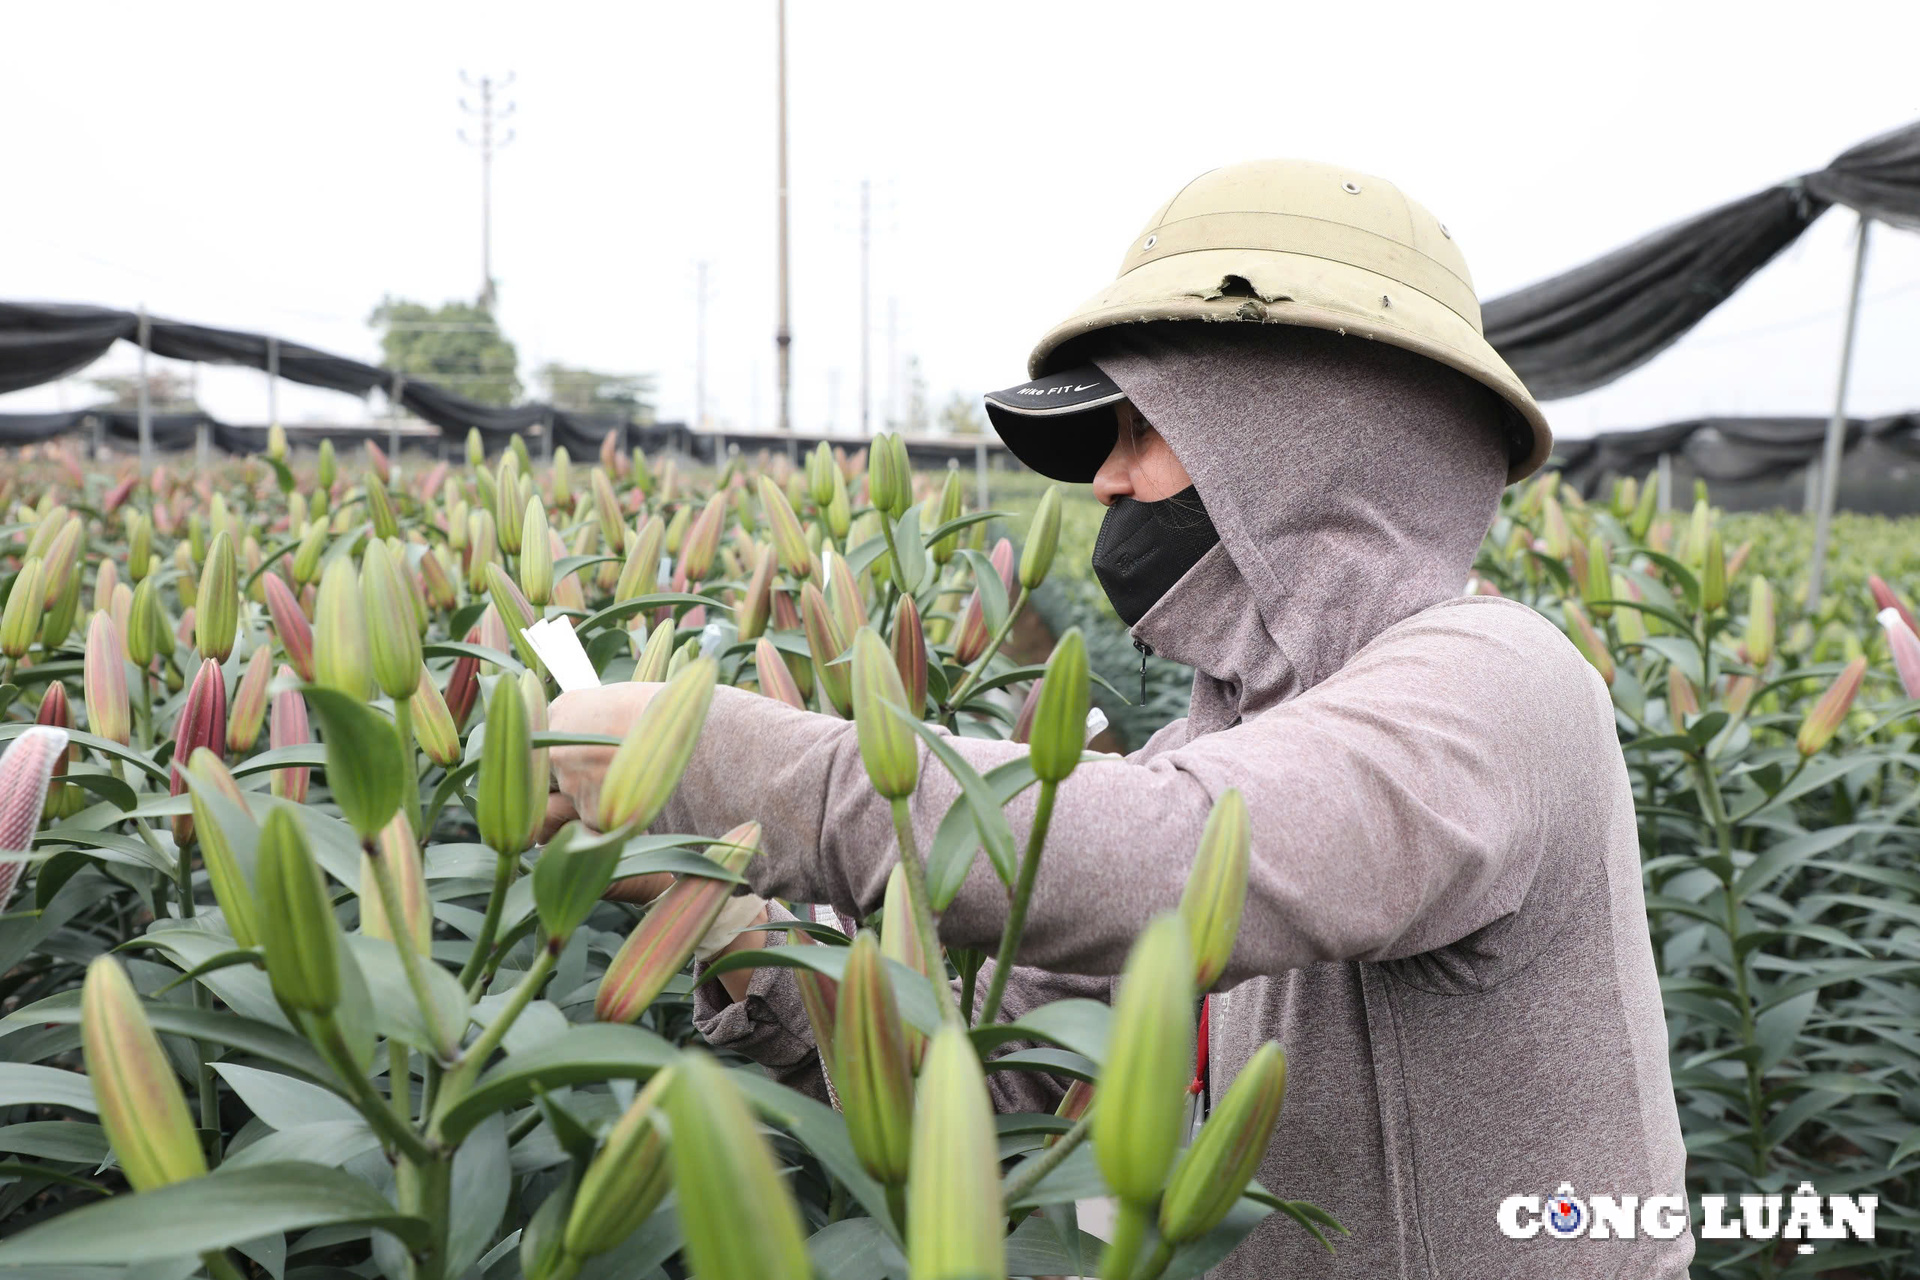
<point>1301,438</point>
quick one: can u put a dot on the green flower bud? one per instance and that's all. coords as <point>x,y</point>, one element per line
<point>1760,623</point>
<point>197,538</point>
<point>433,726</point>
<point>1596,587</point>
<point>56,624</point>
<point>141,1107</point>
<point>656,656</point>
<point>306,557</point>
<point>508,509</point>
<point>104,674</point>
<point>147,630</point>
<point>903,473</point>
<point>139,546</point>
<point>884,478</point>
<point>26,605</point>
<point>506,807</point>
<point>1589,641</point>
<point>476,448</point>
<point>736,1213</point>
<point>776,681</point>
<point>392,631</point>
<point>627,1179</point>
<point>514,612</point>
<point>1043,537</point>
<point>329,471</point>
<point>1060,719</point>
<point>956,1225</point>
<point>789,539</point>
<point>757,604</point>
<point>641,573</point>
<point>606,509</point>
<point>1216,891</point>
<point>702,540</point>
<point>297,926</point>
<point>839,512</point>
<point>1216,1169</point>
<point>396,847</point>
<point>871,1070</point>
<point>647,766</point>
<point>952,500</point>
<point>1141,1111</point>
<point>1713,573</point>
<point>820,468</point>
<point>276,442</point>
<point>536,555</point>
<point>380,510</point>
<point>340,657</point>
<point>888,746</point>
<point>482,550</point>
<point>1825,717</point>
<point>663,942</point>
<point>231,887</point>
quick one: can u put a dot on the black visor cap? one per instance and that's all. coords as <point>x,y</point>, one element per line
<point>1062,425</point>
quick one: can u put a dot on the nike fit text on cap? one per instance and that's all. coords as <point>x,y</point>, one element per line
<point>1031,418</point>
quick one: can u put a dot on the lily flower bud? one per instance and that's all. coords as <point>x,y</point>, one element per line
<point>1760,622</point>
<point>140,1103</point>
<point>702,541</point>
<point>476,448</point>
<point>147,632</point>
<point>900,942</point>
<point>328,468</point>
<point>57,623</point>
<point>871,1070</point>
<point>789,539</point>
<point>677,528</point>
<point>1885,597</point>
<point>819,474</point>
<point>606,509</point>
<point>648,764</point>
<point>1043,538</point>
<point>1588,641</point>
<point>1554,531</point>
<point>63,557</point>
<point>757,605</point>
<point>290,625</point>
<point>1826,715</point>
<point>506,808</point>
<point>436,580</point>
<point>656,656</point>
<point>1904,647</point>
<point>481,549</point>
<point>825,643</point>
<point>290,728</point>
<point>231,888</point>
<point>1596,583</point>
<point>663,942</point>
<point>1713,573</point>
<point>249,710</point>
<point>844,600</point>
<point>1137,1125</point>
<point>514,612</point>
<point>888,747</point>
<point>536,555</point>
<point>393,636</point>
<point>139,546</point>
<point>340,658</point>
<point>1629,624</point>
<point>27,766</point>
<point>1216,1169</point>
<point>952,499</point>
<point>955,1218</point>
<point>202,723</point>
<point>377,462</point>
<point>26,604</point>
<point>105,579</point>
<point>298,929</point>
<point>1683,700</point>
<point>396,847</point>
<point>380,510</point>
<point>533,691</point>
<point>735,1211</point>
<point>276,442</point>
<point>910,655</point>
<point>105,678</point>
<point>1060,719</point>
<point>776,681</point>
<point>1216,891</point>
<point>433,726</point>
<point>640,574</point>
<point>1029,707</point>
<point>627,1179</point>
<point>306,557</point>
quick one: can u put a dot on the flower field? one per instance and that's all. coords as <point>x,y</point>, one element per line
<point>290,988</point>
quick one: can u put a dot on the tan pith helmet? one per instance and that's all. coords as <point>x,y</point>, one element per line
<point>1294,242</point>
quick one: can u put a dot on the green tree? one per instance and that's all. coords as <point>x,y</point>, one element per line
<point>962,416</point>
<point>168,391</point>
<point>457,344</point>
<point>589,391</point>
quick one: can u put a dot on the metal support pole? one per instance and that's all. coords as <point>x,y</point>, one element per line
<point>146,401</point>
<point>866,308</point>
<point>980,474</point>
<point>546,439</point>
<point>1836,429</point>
<point>700,349</point>
<point>783,336</point>
<point>1664,477</point>
<point>203,443</point>
<point>273,381</point>
<point>398,390</point>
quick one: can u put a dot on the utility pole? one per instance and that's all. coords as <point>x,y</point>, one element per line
<point>487,143</point>
<point>783,335</point>
<point>866,308</point>
<point>700,349</point>
<point>1834,451</point>
<point>893,363</point>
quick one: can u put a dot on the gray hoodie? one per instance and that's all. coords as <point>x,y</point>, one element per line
<point>1444,926</point>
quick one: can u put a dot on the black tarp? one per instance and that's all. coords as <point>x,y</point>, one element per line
<point>1585,327</point>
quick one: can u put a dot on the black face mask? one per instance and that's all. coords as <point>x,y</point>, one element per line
<point>1146,547</point>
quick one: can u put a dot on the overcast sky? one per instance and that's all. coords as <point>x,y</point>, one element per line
<point>282,167</point>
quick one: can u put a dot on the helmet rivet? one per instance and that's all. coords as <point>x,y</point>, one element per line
<point>1350,187</point>
<point>1443,231</point>
<point>1152,240</point>
<point>1385,301</point>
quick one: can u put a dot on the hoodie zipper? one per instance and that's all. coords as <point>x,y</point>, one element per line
<point>1146,651</point>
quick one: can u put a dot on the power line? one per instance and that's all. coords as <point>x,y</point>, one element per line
<point>489,114</point>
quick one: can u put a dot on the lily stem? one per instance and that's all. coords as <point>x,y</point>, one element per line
<point>1017,912</point>
<point>504,867</point>
<point>915,872</point>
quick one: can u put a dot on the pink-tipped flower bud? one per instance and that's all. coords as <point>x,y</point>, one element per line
<point>340,658</point>
<point>463,682</point>
<point>756,606</point>
<point>1826,716</point>
<point>289,728</point>
<point>433,726</point>
<point>395,846</point>
<point>249,710</point>
<point>202,723</point>
<point>1885,597</point>
<point>826,642</point>
<point>789,539</point>
<point>665,939</point>
<point>872,1072</point>
<point>109,713</point>
<point>702,540</point>
<point>1905,649</point>
<point>290,625</point>
<point>26,769</point>
<point>393,634</point>
<point>139,1100</point>
<point>1589,642</point>
<point>776,681</point>
<point>910,655</point>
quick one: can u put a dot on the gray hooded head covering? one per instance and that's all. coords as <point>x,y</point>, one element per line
<point>1351,483</point>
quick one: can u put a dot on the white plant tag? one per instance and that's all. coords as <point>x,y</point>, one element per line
<point>560,650</point>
